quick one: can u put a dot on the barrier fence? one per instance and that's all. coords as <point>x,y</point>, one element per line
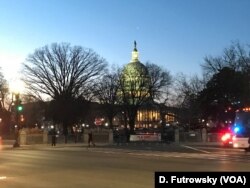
<point>108,136</point>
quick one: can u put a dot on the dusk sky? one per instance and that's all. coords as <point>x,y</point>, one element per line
<point>174,34</point>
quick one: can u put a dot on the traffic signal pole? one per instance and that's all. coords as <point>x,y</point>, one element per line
<point>18,110</point>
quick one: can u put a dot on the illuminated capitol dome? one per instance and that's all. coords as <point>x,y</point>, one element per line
<point>135,75</point>
<point>135,95</point>
<point>135,68</point>
<point>136,80</point>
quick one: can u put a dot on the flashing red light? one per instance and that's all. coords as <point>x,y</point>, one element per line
<point>225,137</point>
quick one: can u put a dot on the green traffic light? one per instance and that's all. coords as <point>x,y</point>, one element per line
<point>20,108</point>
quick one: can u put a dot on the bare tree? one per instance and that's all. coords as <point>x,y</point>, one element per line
<point>186,93</point>
<point>106,93</point>
<point>65,73</point>
<point>160,82</point>
<point>3,91</point>
<point>236,57</point>
<point>186,87</point>
<point>62,70</point>
<point>5,106</point>
<point>134,90</point>
<point>233,64</point>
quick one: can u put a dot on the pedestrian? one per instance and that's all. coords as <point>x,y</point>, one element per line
<point>53,137</point>
<point>116,136</point>
<point>90,139</point>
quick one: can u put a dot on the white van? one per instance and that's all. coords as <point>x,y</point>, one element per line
<point>241,129</point>
<point>241,142</point>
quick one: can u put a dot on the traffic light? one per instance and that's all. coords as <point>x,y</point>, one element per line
<point>19,108</point>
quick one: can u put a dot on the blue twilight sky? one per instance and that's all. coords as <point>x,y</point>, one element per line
<point>175,34</point>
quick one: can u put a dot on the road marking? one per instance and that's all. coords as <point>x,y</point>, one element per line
<point>189,147</point>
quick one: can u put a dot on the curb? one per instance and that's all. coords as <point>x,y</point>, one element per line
<point>9,144</point>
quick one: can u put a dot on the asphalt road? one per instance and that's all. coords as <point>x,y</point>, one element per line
<point>122,166</point>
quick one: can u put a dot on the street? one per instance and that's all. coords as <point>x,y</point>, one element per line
<point>110,166</point>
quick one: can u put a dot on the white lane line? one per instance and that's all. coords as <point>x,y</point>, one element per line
<point>189,147</point>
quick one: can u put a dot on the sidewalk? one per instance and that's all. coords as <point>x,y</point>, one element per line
<point>9,145</point>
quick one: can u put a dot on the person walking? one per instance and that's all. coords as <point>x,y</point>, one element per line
<point>53,137</point>
<point>90,139</point>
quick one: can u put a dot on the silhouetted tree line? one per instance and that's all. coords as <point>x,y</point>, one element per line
<point>65,79</point>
